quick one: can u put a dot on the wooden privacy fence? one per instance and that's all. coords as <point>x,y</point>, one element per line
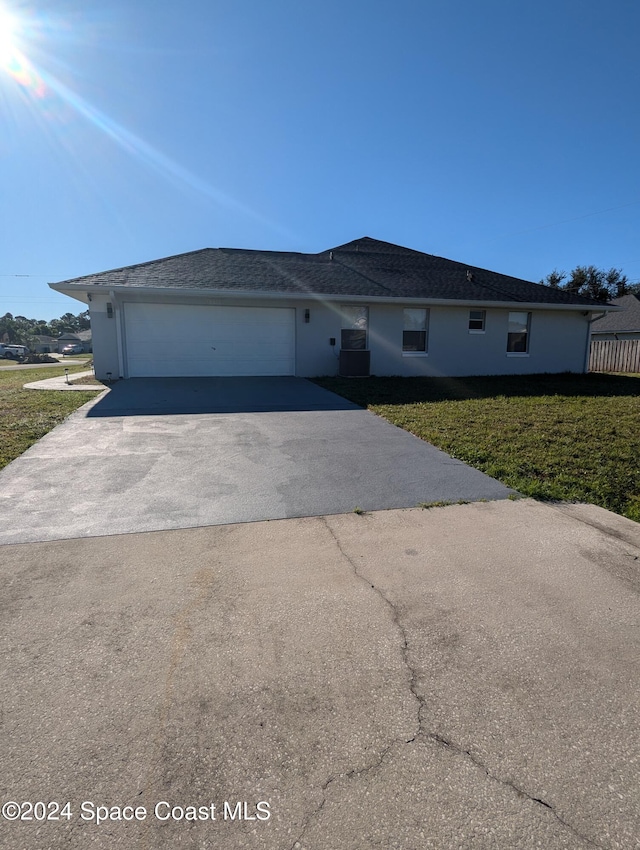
<point>614,355</point>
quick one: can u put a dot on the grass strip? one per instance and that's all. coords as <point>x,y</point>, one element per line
<point>27,415</point>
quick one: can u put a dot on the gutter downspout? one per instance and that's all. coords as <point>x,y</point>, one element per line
<point>587,354</point>
<point>117,319</point>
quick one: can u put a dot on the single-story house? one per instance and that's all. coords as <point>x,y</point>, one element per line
<point>44,344</point>
<point>366,307</point>
<point>622,325</point>
<point>68,339</point>
<point>82,338</point>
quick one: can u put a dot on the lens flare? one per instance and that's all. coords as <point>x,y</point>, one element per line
<point>23,72</point>
<point>46,94</point>
<point>8,31</point>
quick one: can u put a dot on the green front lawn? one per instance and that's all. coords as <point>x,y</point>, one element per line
<point>27,415</point>
<point>567,437</point>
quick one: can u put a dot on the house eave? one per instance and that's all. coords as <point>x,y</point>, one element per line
<point>77,290</point>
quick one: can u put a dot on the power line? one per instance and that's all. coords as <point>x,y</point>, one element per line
<point>19,300</point>
<point>19,295</point>
<point>563,221</point>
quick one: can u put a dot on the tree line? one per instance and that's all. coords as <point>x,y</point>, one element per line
<point>20,330</point>
<point>592,282</point>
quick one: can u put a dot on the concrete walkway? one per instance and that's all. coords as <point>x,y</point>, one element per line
<point>60,383</point>
<point>460,677</point>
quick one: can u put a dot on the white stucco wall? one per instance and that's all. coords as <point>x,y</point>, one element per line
<point>104,336</point>
<point>557,342</point>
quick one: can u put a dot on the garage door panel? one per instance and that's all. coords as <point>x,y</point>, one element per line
<point>163,340</point>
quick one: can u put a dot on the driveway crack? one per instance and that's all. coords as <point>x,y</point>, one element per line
<point>395,617</point>
<point>445,742</point>
<point>419,730</point>
<point>356,771</point>
<point>297,845</point>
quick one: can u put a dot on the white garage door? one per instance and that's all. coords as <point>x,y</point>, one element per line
<point>165,340</point>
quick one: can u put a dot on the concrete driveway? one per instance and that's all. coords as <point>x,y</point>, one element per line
<point>460,677</point>
<point>157,454</point>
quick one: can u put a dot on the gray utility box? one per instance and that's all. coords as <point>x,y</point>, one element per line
<point>354,364</point>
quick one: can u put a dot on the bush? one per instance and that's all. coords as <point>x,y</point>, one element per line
<point>39,358</point>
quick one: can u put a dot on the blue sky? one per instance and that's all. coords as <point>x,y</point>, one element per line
<point>501,134</point>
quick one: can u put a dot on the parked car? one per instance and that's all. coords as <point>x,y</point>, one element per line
<point>13,352</point>
<point>73,348</point>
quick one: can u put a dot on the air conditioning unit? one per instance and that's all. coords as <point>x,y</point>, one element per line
<point>354,364</point>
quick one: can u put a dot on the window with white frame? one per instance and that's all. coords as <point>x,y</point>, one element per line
<point>518,333</point>
<point>415,331</point>
<point>476,321</point>
<point>355,326</point>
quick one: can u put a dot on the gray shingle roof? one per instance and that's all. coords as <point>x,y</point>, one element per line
<point>365,267</point>
<point>626,322</point>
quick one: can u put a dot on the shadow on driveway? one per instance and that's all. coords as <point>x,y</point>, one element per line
<point>165,396</point>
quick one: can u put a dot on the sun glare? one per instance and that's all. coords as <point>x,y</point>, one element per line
<point>8,32</point>
<point>48,97</point>
<point>12,60</point>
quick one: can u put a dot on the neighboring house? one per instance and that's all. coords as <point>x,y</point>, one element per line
<point>44,344</point>
<point>82,338</point>
<point>623,325</point>
<point>367,307</point>
<point>615,338</point>
<point>86,339</point>
<point>68,339</point>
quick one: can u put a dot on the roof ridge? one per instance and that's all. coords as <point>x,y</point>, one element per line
<point>366,277</point>
<point>264,251</point>
<point>353,247</point>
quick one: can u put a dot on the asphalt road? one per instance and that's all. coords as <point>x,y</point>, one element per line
<point>450,678</point>
<point>19,366</point>
<point>157,454</point>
